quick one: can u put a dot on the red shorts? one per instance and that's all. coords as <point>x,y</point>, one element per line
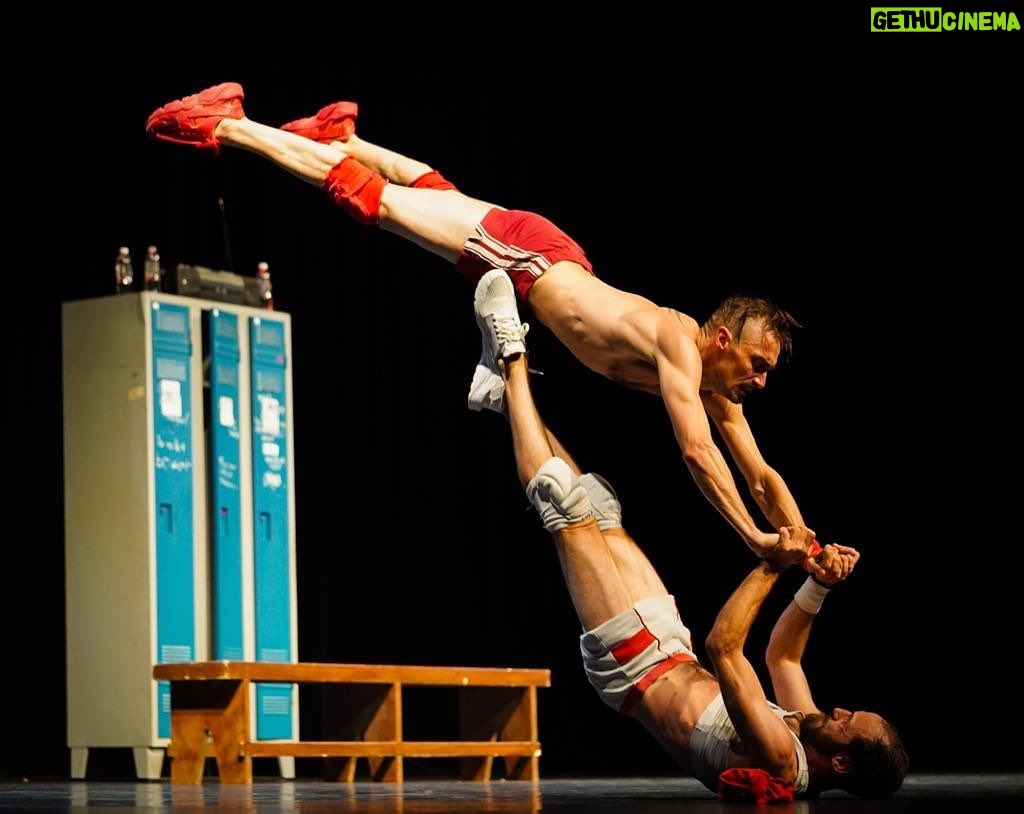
<point>523,243</point>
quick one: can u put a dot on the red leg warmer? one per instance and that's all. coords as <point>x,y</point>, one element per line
<point>356,189</point>
<point>432,180</point>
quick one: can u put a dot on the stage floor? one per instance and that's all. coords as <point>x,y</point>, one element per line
<point>920,793</point>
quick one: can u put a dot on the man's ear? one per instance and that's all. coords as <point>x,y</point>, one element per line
<point>723,336</point>
<point>841,763</point>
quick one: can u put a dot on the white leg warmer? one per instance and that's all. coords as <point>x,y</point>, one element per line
<point>603,499</point>
<point>557,495</point>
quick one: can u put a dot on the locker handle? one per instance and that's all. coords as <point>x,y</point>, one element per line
<point>167,514</point>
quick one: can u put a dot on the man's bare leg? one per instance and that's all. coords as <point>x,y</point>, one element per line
<point>635,569</point>
<point>397,168</point>
<point>439,221</point>
<point>591,576</point>
<point>411,216</point>
<point>308,160</point>
<point>529,436</point>
<point>638,575</point>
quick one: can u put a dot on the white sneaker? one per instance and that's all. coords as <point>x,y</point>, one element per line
<point>487,390</point>
<point>498,317</point>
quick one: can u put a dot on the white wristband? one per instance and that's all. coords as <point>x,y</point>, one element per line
<point>810,596</point>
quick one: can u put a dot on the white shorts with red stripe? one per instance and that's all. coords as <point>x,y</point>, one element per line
<point>623,656</point>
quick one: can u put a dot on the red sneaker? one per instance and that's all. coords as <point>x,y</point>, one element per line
<point>335,122</point>
<point>193,119</point>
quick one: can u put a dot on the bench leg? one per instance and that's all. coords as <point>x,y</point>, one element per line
<point>522,768</point>
<point>339,769</point>
<point>364,712</point>
<point>478,769</point>
<point>382,769</point>
<point>387,769</point>
<point>217,709</point>
<point>522,725</point>
<point>499,714</point>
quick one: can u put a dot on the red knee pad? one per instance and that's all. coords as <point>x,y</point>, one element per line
<point>432,180</point>
<point>356,189</point>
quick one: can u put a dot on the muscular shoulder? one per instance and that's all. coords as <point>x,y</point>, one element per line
<point>688,324</point>
<point>676,333</point>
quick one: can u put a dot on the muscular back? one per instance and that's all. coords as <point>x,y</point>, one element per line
<point>613,332</point>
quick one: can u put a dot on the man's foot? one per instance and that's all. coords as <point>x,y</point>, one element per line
<point>487,390</point>
<point>497,316</point>
<point>335,122</point>
<point>193,119</point>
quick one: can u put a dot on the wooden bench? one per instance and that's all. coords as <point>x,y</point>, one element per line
<point>211,716</point>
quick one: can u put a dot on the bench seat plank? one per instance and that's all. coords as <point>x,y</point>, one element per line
<point>321,673</point>
<point>393,748</point>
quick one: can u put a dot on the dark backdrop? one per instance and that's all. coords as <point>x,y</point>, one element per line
<point>868,182</point>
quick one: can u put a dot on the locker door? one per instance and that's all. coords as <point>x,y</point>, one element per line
<point>270,521</point>
<point>225,487</point>
<point>173,482</point>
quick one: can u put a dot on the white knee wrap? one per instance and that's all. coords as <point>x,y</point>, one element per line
<point>604,501</point>
<point>558,496</point>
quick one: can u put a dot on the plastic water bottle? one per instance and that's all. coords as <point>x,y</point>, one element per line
<point>124,274</point>
<point>152,272</point>
<point>266,290</point>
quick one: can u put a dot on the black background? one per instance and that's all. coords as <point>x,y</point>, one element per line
<point>870,183</point>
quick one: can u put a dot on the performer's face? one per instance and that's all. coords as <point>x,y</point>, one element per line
<point>830,731</point>
<point>747,359</point>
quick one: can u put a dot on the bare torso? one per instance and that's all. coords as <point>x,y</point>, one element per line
<point>673,704</point>
<point>670,708</point>
<point>613,332</point>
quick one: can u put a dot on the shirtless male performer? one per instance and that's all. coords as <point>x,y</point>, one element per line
<point>699,370</point>
<point>637,653</point>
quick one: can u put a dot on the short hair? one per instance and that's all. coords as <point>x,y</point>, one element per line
<point>879,765</point>
<point>734,312</point>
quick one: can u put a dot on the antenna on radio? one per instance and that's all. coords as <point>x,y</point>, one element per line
<point>224,234</point>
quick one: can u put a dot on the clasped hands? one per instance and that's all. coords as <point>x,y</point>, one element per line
<point>828,564</point>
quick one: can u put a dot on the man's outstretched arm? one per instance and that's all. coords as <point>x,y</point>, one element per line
<point>766,485</point>
<point>679,369</point>
<point>766,738</point>
<point>789,637</point>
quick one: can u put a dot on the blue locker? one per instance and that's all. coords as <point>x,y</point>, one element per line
<point>183,403</point>
<point>271,564</point>
<point>173,456</point>
<point>227,616</point>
